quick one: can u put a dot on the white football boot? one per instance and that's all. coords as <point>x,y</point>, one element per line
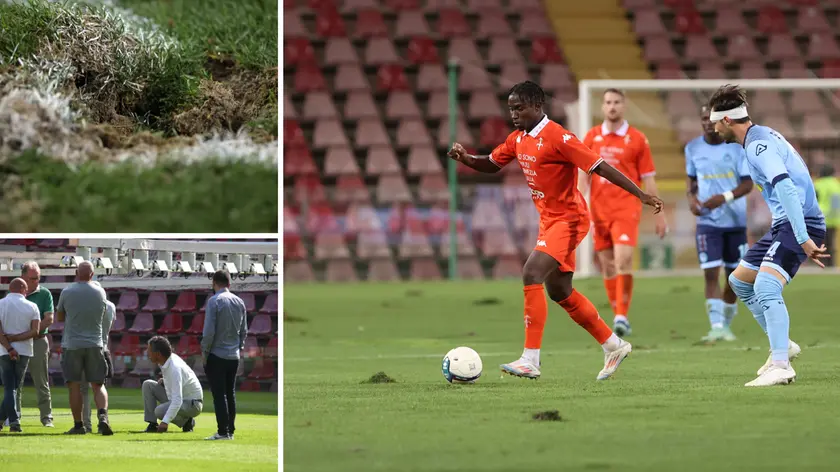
<point>613,359</point>
<point>522,368</point>
<point>793,353</point>
<point>774,375</point>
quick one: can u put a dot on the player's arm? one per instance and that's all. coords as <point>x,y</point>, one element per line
<point>176,399</point>
<point>59,309</point>
<point>209,328</point>
<point>574,151</point>
<point>500,157</point>
<point>767,156</point>
<point>4,340</point>
<point>691,186</point>
<point>744,187</point>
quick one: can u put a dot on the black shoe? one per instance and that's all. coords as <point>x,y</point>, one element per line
<point>15,429</point>
<point>89,429</point>
<point>189,425</point>
<point>105,429</point>
<point>152,428</point>
<point>77,431</point>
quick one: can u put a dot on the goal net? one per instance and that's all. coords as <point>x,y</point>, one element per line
<point>805,111</point>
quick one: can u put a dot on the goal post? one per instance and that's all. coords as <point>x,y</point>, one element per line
<point>651,105</point>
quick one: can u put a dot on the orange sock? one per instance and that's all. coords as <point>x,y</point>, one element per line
<point>536,311</point>
<point>586,315</point>
<point>610,286</point>
<point>624,292</point>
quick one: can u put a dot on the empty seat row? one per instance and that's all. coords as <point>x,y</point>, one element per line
<point>186,302</point>
<point>730,21</point>
<point>385,269</point>
<point>470,6</point>
<point>698,48</point>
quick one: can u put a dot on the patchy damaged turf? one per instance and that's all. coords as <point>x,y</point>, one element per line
<point>133,88</point>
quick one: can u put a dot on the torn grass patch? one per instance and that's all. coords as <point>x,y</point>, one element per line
<point>379,378</point>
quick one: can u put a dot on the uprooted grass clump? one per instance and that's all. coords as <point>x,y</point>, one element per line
<point>550,415</point>
<point>379,378</point>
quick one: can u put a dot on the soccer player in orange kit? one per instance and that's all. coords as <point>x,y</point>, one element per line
<point>550,157</point>
<point>615,212</point>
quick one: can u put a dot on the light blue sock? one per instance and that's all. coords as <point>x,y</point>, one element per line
<point>729,312</point>
<point>768,289</point>
<point>714,308</point>
<point>746,294</point>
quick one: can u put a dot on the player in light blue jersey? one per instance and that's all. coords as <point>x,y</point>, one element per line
<point>797,232</point>
<point>717,179</point>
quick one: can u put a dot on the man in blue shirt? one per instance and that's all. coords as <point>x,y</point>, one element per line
<point>797,232</point>
<point>222,341</point>
<point>717,178</point>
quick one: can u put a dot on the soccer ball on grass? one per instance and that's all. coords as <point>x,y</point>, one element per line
<point>461,365</point>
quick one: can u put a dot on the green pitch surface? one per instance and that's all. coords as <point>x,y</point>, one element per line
<point>130,449</point>
<point>672,406</point>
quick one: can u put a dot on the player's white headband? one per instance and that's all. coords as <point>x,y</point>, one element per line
<point>732,114</point>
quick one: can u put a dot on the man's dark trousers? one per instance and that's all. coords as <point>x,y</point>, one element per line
<point>222,376</point>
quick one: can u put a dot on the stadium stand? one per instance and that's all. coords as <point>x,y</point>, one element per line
<point>143,313</point>
<point>366,111</point>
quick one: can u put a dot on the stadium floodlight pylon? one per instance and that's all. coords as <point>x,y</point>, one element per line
<point>582,116</point>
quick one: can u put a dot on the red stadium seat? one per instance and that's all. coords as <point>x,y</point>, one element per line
<point>818,126</point>
<point>430,77</point>
<point>391,189</point>
<point>360,105</point>
<point>293,248</point>
<point>414,244</point>
<point>144,323</point>
<point>413,133</point>
<point>172,324</point>
<point>794,69</point>
<point>119,366</point>
<point>544,51</point>
<point>391,77</point>
<point>321,218</point>
<point>514,72</point>
<point>402,105</point>
<point>730,21</point>
<point>340,51</point>
<point>330,246</point>
<point>341,270</point>
<point>503,50</point>
<point>252,347</point>
<point>250,386</point>
<point>381,160</point>
<point>423,160</point>
<point>270,305</point>
<point>197,324</point>
<point>830,69</point>
<point>143,368</point>
<point>116,327</point>
<point>350,188</point>
<point>298,51</point>
<point>424,269</point>
<point>370,24</point>
<point>292,26</point>
<point>659,49</point>
<point>647,22</point>
<point>806,102</point>
<point>271,349</point>
<point>382,270</point>
<point>534,24</point>
<point>188,346</point>
<point>370,133</point>
<point>498,243</point>
<point>372,244</point>
<point>700,48</point>
<point>129,346</point>
<point>422,50</point>
<point>310,189</point>
<point>380,51</point>
<point>156,302</point>
<point>492,23</point>
<point>319,105</point>
<point>452,23</point>
<point>129,301</point>
<point>782,46</point>
<point>483,105</point>
<point>823,46</point>
<point>399,5</point>
<point>328,25</point>
<point>465,51</point>
<point>349,77</point>
<point>264,370</point>
<point>340,161</point>
<point>463,244</point>
<point>433,188</point>
<point>493,132</point>
<point>411,23</point>
<point>812,20</point>
<point>741,48</point>
<point>689,22</point>
<point>250,301</point>
<point>293,134</point>
<point>462,133</point>
<point>437,106</point>
<point>185,303</point>
<point>507,267</point>
<point>308,78</point>
<point>771,20</point>
<point>329,133</point>
<point>298,161</point>
<point>469,268</point>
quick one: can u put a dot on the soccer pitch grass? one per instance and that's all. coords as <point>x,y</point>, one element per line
<point>673,405</point>
<point>130,449</point>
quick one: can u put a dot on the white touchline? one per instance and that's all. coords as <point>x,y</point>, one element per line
<point>693,349</point>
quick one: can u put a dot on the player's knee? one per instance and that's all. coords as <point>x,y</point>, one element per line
<point>742,289</point>
<point>711,275</point>
<point>767,287</point>
<point>558,292</point>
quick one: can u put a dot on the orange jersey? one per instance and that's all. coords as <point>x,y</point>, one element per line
<point>628,151</point>
<point>550,157</point>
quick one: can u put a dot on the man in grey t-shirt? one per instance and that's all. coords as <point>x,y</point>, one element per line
<point>81,306</point>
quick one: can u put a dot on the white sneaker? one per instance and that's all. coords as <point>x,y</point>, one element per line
<point>522,368</point>
<point>218,437</point>
<point>774,375</point>
<point>793,353</point>
<point>613,359</point>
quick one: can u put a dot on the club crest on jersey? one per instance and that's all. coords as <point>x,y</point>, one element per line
<point>626,139</point>
<point>540,144</point>
<point>566,137</point>
<point>599,138</point>
<point>760,148</point>
<point>518,139</point>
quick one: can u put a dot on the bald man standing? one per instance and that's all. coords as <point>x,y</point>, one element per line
<point>19,322</point>
<point>81,306</point>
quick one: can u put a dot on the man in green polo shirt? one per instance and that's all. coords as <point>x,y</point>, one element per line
<point>39,365</point>
<point>828,197</point>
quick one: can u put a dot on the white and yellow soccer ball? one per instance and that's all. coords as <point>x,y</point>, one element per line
<point>461,365</point>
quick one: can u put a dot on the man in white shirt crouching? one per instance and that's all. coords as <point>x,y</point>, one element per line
<point>177,397</point>
<point>19,321</point>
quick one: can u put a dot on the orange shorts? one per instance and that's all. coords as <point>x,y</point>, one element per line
<point>559,240</point>
<point>610,233</point>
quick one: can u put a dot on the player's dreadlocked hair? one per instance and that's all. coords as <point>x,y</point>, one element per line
<point>529,92</point>
<point>728,97</point>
